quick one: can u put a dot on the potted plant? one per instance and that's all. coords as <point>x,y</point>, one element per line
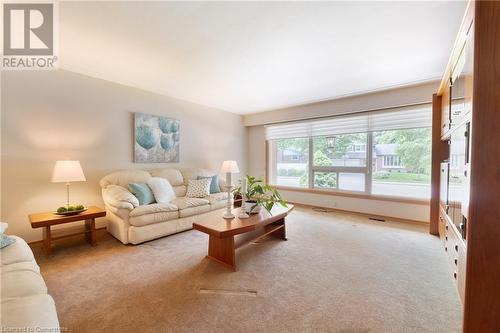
<point>258,195</point>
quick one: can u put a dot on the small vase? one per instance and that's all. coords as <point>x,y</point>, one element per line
<point>252,207</point>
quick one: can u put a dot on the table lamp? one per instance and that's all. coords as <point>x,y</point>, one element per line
<point>229,167</point>
<point>67,172</point>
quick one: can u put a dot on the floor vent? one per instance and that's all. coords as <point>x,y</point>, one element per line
<point>232,292</point>
<point>376,219</point>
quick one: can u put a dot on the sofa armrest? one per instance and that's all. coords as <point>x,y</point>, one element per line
<point>119,197</point>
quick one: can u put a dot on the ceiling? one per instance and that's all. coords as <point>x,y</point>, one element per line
<point>247,57</point>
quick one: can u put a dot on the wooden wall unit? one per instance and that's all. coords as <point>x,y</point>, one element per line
<point>465,202</point>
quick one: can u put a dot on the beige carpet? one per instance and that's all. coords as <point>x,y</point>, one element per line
<point>337,272</point>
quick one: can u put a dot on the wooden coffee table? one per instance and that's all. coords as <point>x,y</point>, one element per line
<point>225,236</point>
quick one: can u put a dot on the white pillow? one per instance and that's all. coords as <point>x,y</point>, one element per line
<point>198,188</point>
<point>3,227</point>
<point>162,190</point>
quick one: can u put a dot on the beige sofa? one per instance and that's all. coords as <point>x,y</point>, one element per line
<point>131,223</point>
<point>25,304</point>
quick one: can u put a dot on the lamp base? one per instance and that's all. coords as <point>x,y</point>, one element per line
<point>228,216</point>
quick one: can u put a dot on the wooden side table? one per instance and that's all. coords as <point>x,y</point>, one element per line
<point>46,220</point>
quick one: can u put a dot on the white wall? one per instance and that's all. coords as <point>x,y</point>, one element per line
<point>420,93</point>
<point>52,115</point>
<point>402,96</point>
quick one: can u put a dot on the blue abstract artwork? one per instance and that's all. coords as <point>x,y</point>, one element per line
<point>156,139</point>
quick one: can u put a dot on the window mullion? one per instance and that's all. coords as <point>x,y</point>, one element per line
<point>311,172</point>
<point>369,164</point>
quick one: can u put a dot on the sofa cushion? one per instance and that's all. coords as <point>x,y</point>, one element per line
<point>199,188</point>
<point>194,210</point>
<point>142,192</point>
<point>21,266</point>
<point>162,190</point>
<point>173,176</point>
<point>185,202</point>
<point>193,173</point>
<point>147,219</point>
<point>119,197</point>
<point>37,313</point>
<point>214,183</point>
<point>153,208</point>
<point>17,252</point>
<point>21,283</point>
<point>216,197</point>
<point>180,191</point>
<point>125,177</point>
<point>218,204</point>
<point>6,241</point>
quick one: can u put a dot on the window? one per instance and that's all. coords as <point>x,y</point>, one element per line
<point>360,148</point>
<point>291,159</point>
<point>332,154</point>
<point>392,161</point>
<point>402,162</point>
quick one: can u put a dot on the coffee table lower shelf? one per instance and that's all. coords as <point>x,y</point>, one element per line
<point>223,250</point>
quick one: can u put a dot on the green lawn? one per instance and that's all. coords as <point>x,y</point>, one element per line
<point>401,177</point>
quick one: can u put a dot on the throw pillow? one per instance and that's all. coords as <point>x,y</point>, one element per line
<point>162,190</point>
<point>214,184</point>
<point>198,188</point>
<point>6,240</point>
<point>142,192</point>
<point>3,227</point>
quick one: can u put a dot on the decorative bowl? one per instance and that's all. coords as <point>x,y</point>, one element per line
<point>71,212</point>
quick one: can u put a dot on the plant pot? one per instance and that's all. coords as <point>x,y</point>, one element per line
<point>251,207</point>
<point>237,200</point>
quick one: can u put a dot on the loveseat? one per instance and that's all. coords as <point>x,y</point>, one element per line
<point>132,223</point>
<point>25,304</point>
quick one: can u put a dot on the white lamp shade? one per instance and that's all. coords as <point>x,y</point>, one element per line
<point>229,167</point>
<point>68,171</point>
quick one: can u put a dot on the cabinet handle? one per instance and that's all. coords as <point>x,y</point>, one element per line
<point>440,218</point>
<point>455,261</point>
<point>456,248</point>
<point>446,227</point>
<point>445,249</point>
<point>446,237</point>
<point>455,275</point>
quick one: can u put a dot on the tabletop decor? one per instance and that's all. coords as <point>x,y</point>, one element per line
<point>228,168</point>
<point>156,139</point>
<point>258,195</point>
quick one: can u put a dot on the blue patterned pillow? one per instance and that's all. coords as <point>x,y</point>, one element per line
<point>6,240</point>
<point>214,185</point>
<point>142,192</point>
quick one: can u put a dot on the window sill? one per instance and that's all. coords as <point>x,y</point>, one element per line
<point>424,202</point>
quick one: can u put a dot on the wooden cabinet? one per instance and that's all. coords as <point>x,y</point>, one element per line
<point>465,202</point>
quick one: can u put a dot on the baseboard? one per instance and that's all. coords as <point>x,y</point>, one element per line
<point>38,242</point>
<point>375,216</point>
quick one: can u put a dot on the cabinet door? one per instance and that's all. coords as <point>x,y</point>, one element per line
<point>445,109</point>
<point>457,180</point>
<point>457,106</point>
<point>443,185</point>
